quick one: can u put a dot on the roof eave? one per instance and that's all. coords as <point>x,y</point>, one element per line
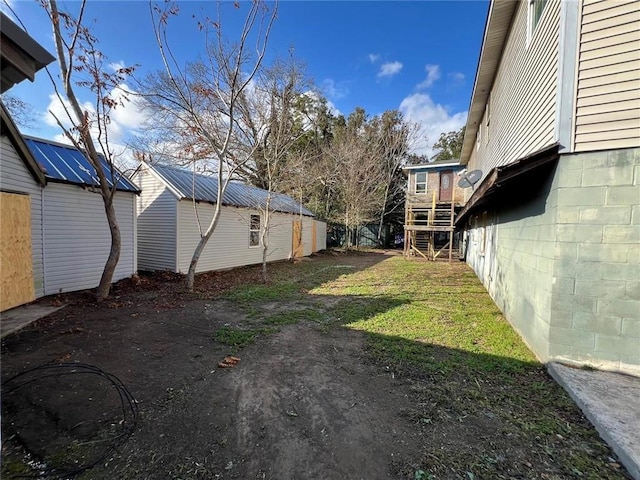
<point>431,166</point>
<point>16,139</point>
<point>496,32</point>
<point>503,175</point>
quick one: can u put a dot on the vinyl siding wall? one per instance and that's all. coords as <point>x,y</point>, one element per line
<point>522,102</point>
<point>608,87</point>
<point>321,235</point>
<point>307,236</point>
<point>157,208</point>
<point>16,177</point>
<point>77,238</point>
<point>229,244</point>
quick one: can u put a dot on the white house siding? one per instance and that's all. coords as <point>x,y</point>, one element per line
<point>229,245</point>
<point>608,88</point>
<point>321,235</point>
<point>280,237</point>
<point>15,177</point>
<point>522,102</point>
<point>307,236</point>
<point>77,239</point>
<point>156,224</point>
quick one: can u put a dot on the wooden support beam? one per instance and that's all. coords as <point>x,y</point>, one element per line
<point>419,252</point>
<point>440,251</point>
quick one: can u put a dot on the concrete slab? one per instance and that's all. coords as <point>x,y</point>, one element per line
<point>13,320</point>
<point>610,402</point>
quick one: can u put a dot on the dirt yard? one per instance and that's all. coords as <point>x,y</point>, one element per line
<point>148,386</point>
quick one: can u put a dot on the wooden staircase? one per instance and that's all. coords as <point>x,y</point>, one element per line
<point>422,222</point>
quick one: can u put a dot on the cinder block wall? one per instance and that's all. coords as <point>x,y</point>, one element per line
<point>516,263</point>
<point>595,301</point>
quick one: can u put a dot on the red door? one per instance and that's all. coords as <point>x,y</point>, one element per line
<point>446,185</point>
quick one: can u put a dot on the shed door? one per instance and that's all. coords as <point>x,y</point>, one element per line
<point>16,264</point>
<point>446,185</point>
<point>297,250</point>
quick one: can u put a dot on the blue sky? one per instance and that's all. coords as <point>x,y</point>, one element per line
<point>416,56</point>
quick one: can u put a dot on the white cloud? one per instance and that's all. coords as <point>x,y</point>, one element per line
<point>389,69</point>
<point>125,120</point>
<point>433,74</point>
<point>374,57</point>
<point>432,120</point>
<point>333,89</point>
<point>456,79</point>
<point>115,66</point>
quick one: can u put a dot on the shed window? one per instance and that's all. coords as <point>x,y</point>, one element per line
<point>536,7</point>
<point>421,182</point>
<point>254,231</point>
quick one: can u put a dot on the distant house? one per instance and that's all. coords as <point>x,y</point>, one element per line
<point>174,202</point>
<point>553,227</point>
<point>432,198</point>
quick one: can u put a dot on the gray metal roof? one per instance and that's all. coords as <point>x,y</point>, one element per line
<point>65,164</point>
<point>204,188</point>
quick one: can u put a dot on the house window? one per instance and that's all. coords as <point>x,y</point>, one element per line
<point>421,182</point>
<point>536,7</point>
<point>254,231</point>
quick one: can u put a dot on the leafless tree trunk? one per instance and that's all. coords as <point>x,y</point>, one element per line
<point>88,131</point>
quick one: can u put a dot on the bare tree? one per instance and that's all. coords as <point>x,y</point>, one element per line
<point>82,65</point>
<point>390,140</point>
<point>273,124</point>
<point>197,106</point>
<point>360,176</point>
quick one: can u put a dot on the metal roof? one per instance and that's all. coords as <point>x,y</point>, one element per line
<point>434,164</point>
<point>204,188</point>
<point>65,164</point>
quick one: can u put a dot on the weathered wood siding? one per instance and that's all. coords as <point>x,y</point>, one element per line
<point>522,102</point>
<point>15,177</point>
<point>608,88</point>
<point>157,208</point>
<point>229,244</point>
<point>77,239</point>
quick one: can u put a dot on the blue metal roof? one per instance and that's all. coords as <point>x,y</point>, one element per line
<point>64,163</point>
<point>195,186</point>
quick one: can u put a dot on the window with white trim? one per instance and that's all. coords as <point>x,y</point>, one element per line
<point>421,182</point>
<point>534,13</point>
<point>254,231</point>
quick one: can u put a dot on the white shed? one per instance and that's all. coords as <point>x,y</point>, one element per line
<point>176,204</point>
<point>75,234</point>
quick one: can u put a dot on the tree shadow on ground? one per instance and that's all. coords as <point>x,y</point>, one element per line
<point>476,410</point>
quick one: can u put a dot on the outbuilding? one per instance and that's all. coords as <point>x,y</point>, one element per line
<point>176,205</point>
<point>76,238</point>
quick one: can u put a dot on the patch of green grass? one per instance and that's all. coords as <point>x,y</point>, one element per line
<point>293,317</point>
<point>240,338</point>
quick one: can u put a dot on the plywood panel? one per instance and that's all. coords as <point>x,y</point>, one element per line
<point>15,177</point>
<point>16,266</point>
<point>297,239</point>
